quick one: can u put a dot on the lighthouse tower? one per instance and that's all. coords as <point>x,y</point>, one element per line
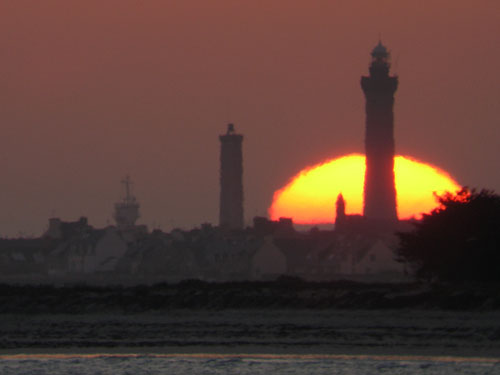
<point>231,180</point>
<point>379,88</point>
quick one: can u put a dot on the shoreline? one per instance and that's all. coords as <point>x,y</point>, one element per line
<point>288,293</point>
<point>492,357</point>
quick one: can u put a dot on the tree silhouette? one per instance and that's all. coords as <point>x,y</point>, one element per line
<point>458,241</point>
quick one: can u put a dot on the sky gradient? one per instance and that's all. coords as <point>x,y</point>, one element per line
<point>93,90</point>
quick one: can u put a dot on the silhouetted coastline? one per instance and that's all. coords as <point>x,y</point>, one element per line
<point>284,293</point>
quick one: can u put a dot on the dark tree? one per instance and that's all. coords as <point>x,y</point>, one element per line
<point>458,241</point>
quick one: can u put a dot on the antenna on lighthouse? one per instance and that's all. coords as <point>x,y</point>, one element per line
<point>127,182</point>
<point>127,211</point>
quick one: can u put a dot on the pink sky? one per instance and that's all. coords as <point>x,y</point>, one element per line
<point>93,90</point>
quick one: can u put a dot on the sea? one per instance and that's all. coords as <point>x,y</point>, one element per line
<point>253,342</point>
<point>221,364</point>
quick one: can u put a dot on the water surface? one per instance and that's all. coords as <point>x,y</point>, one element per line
<point>206,364</point>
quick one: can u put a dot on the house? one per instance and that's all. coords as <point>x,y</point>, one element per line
<point>268,262</point>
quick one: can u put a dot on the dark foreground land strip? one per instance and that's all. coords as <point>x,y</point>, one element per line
<point>280,294</point>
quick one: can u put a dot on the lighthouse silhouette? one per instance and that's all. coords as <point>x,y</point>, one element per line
<point>231,180</point>
<point>379,88</point>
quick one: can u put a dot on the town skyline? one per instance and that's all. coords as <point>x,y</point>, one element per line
<point>91,93</point>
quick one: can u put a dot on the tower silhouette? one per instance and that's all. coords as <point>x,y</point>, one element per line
<point>340,211</point>
<point>231,180</point>
<point>379,88</point>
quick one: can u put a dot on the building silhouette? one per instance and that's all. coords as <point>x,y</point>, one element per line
<point>231,180</point>
<point>379,88</point>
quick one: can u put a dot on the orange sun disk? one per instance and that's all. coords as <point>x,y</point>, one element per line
<point>310,196</point>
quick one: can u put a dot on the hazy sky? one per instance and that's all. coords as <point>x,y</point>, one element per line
<point>93,90</point>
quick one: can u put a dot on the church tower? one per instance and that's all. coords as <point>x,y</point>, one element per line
<point>340,211</point>
<point>231,180</point>
<point>379,88</point>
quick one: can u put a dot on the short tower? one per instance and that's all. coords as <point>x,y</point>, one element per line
<point>231,180</point>
<point>379,88</point>
<point>340,210</point>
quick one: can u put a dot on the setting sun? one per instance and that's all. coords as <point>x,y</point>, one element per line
<point>309,198</point>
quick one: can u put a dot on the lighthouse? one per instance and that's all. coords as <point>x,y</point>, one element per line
<point>231,180</point>
<point>379,88</point>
